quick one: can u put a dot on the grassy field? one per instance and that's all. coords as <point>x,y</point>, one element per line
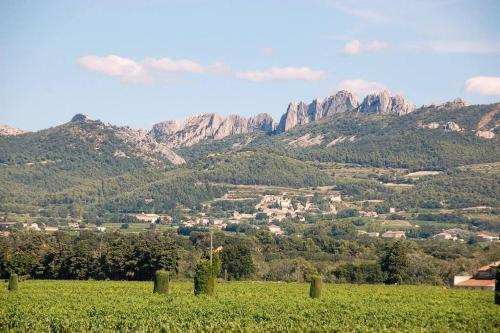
<point>94,306</point>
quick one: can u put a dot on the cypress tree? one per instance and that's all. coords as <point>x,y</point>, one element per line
<point>161,282</point>
<point>315,289</point>
<point>497,286</point>
<point>204,279</point>
<point>13,279</point>
<point>211,285</point>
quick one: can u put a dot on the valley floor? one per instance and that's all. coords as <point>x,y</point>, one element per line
<point>105,306</point>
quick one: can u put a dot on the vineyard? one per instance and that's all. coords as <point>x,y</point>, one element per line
<point>95,306</point>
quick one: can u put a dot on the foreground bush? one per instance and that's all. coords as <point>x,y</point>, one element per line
<point>161,282</point>
<point>13,280</point>
<point>204,279</point>
<point>315,288</point>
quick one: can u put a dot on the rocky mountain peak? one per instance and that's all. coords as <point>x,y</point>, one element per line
<point>209,126</point>
<point>384,103</point>
<point>302,113</point>
<point>342,101</point>
<point>165,128</point>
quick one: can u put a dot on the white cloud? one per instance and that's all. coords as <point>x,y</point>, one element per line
<point>126,69</point>
<point>361,87</point>
<point>356,47</point>
<point>131,71</point>
<point>457,47</point>
<point>283,73</point>
<point>171,65</point>
<point>483,85</point>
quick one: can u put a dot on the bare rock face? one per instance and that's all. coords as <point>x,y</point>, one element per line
<point>209,126</point>
<point>165,128</point>
<point>452,126</point>
<point>342,101</point>
<point>144,146</point>
<point>261,122</point>
<point>384,103</point>
<point>6,130</point>
<point>485,134</point>
<point>302,113</point>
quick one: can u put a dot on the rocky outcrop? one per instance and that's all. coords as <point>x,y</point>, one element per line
<point>455,104</point>
<point>144,146</point>
<point>6,130</point>
<point>485,134</point>
<point>383,103</point>
<point>209,126</point>
<point>452,126</point>
<point>342,101</point>
<point>302,113</point>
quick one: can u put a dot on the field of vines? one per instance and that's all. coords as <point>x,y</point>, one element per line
<point>105,306</point>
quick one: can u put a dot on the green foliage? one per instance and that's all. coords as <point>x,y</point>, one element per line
<point>111,306</point>
<point>359,273</point>
<point>395,263</point>
<point>315,287</point>
<point>262,168</point>
<point>237,260</point>
<point>13,281</point>
<point>161,282</point>
<point>88,255</point>
<point>204,280</point>
<point>497,286</point>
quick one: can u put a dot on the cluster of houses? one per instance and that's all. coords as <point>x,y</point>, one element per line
<point>152,218</point>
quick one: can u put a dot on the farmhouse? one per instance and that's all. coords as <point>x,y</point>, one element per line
<point>444,236</point>
<point>147,217</point>
<point>483,279</point>
<point>394,234</point>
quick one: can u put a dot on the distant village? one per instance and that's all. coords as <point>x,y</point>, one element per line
<point>271,210</point>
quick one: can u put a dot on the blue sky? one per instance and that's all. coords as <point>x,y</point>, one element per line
<point>140,62</point>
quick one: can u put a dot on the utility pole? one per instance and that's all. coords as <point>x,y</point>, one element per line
<point>210,247</point>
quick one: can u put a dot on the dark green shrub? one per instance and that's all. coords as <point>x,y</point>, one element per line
<point>204,279</point>
<point>161,282</point>
<point>13,282</point>
<point>497,286</point>
<point>315,289</point>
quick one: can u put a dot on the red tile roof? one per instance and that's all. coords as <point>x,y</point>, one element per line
<point>476,283</point>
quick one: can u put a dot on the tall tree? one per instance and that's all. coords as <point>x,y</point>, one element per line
<point>395,263</point>
<point>237,261</point>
